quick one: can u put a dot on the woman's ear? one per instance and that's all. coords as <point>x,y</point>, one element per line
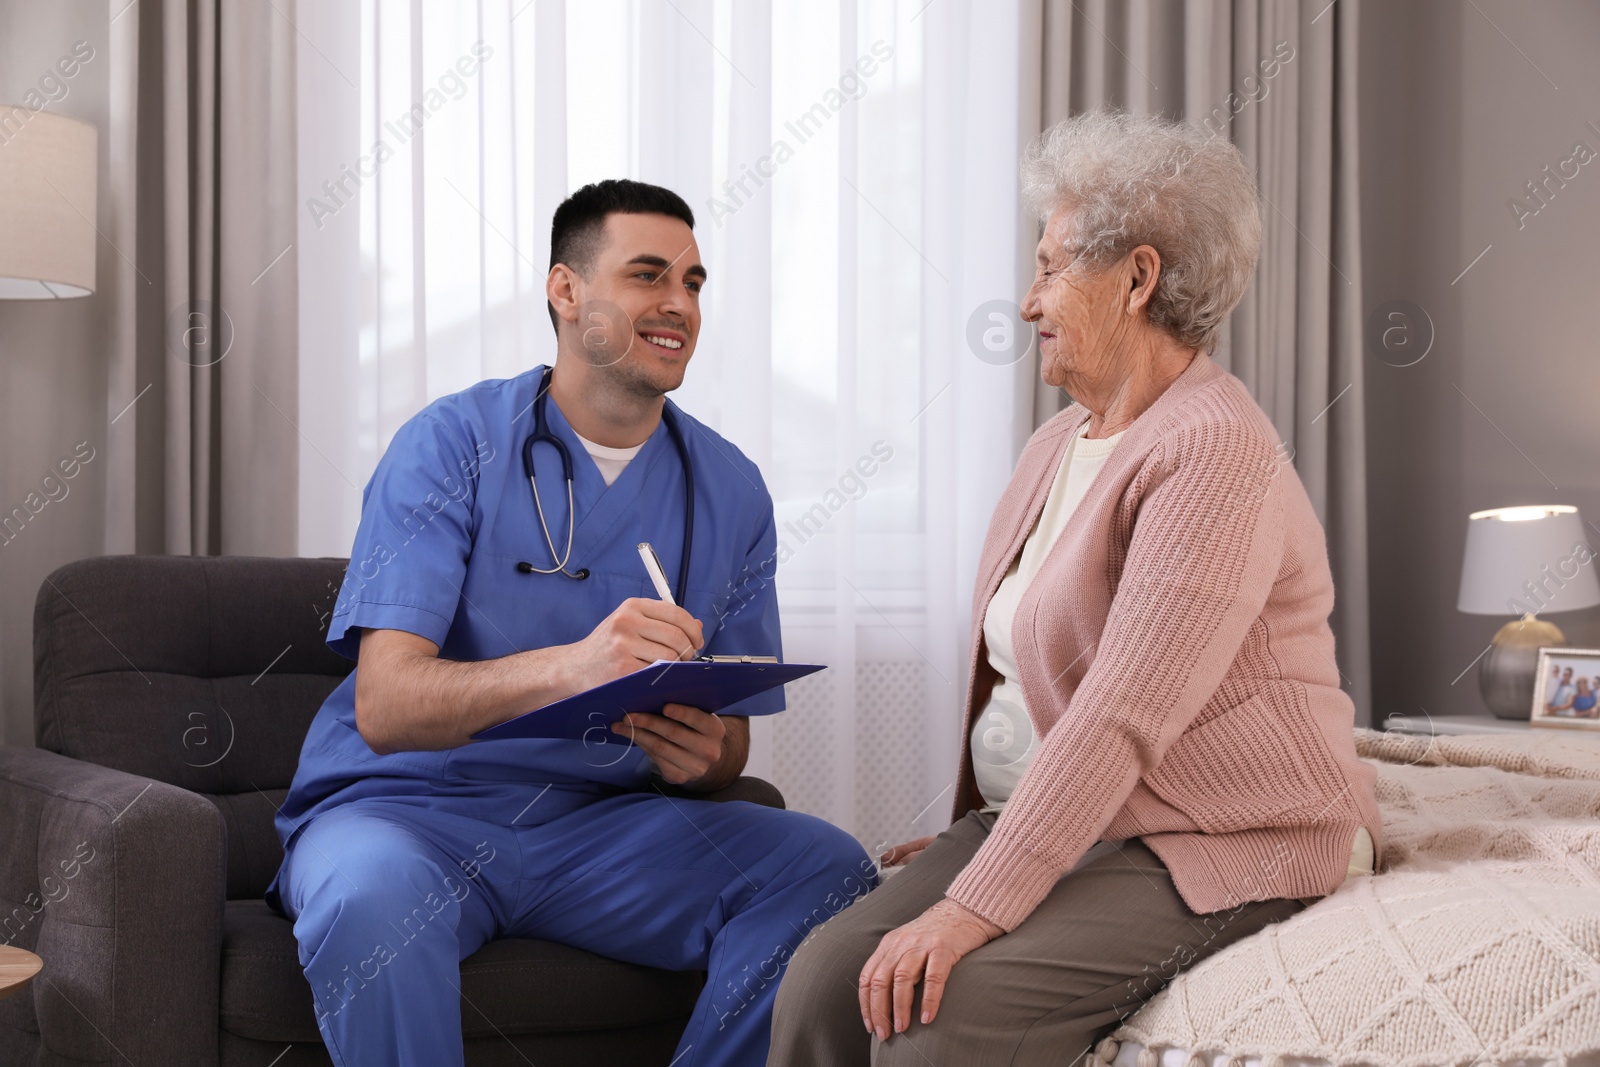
<point>1144,269</point>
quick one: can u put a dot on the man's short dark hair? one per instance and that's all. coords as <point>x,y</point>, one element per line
<point>580,221</point>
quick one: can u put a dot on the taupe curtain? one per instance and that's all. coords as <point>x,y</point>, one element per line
<point>203,175</point>
<point>1279,78</point>
<point>193,449</point>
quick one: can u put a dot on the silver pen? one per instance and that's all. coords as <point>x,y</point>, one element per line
<point>652,564</point>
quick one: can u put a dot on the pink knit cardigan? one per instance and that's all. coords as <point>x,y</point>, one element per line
<point>1177,662</point>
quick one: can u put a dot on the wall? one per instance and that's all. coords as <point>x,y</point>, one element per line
<point>52,367</point>
<point>1461,105</point>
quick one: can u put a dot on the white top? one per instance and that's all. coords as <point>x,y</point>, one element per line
<point>1003,738</point>
<point>611,461</point>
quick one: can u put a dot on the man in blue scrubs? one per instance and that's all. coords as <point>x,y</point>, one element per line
<point>408,846</point>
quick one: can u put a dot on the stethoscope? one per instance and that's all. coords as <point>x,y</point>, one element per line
<point>541,433</point>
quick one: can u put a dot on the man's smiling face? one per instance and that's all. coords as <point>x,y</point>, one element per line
<point>639,305</point>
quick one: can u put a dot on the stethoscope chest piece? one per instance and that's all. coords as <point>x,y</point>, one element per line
<point>523,567</point>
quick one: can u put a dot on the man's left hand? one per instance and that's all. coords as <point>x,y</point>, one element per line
<point>924,949</point>
<point>685,743</point>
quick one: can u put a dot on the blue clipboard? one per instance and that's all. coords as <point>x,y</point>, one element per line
<point>708,685</point>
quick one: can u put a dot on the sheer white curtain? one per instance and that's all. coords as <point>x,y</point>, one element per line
<point>852,166</point>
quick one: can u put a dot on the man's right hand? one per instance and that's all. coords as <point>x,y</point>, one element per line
<point>635,635</point>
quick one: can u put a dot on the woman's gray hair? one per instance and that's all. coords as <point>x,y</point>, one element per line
<point>1139,180</point>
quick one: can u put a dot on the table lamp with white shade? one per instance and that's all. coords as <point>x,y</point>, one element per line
<point>47,205</point>
<point>1524,561</point>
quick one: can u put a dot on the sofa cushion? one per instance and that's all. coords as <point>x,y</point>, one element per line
<point>510,986</point>
<point>254,852</point>
<point>201,672</point>
<point>204,673</point>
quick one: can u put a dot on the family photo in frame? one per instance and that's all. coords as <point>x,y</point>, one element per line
<point>1567,689</point>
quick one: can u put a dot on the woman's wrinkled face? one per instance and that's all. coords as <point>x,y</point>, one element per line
<point>1082,315</point>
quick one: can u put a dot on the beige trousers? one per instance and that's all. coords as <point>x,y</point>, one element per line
<point>1111,933</point>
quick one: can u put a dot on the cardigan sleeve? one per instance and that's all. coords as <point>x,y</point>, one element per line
<point>1202,559</point>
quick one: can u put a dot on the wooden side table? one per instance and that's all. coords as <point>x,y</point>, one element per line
<point>17,968</point>
<point>1439,725</point>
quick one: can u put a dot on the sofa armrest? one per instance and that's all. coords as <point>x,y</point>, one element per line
<point>117,882</point>
<point>755,790</point>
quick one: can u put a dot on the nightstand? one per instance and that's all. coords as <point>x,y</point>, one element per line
<point>1440,725</point>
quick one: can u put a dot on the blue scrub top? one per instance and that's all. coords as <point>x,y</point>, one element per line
<point>445,519</point>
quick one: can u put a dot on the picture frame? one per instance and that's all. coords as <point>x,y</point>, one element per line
<point>1566,689</point>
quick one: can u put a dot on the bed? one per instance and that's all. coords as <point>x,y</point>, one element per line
<point>1477,943</point>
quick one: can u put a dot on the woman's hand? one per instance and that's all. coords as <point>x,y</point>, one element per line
<point>903,854</point>
<point>924,949</point>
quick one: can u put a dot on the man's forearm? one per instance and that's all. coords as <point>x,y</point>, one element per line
<point>415,701</point>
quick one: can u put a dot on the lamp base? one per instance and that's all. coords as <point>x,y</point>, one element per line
<point>1506,673</point>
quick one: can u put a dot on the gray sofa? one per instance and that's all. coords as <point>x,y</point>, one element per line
<point>171,696</point>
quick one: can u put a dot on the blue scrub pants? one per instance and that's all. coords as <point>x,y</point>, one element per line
<point>389,895</point>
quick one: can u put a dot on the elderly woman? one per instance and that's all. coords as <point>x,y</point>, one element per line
<point>1159,759</point>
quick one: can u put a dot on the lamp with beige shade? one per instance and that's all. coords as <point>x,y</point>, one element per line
<point>47,205</point>
<point>1522,561</point>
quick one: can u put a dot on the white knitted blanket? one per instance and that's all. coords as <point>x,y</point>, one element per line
<point>1478,943</point>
